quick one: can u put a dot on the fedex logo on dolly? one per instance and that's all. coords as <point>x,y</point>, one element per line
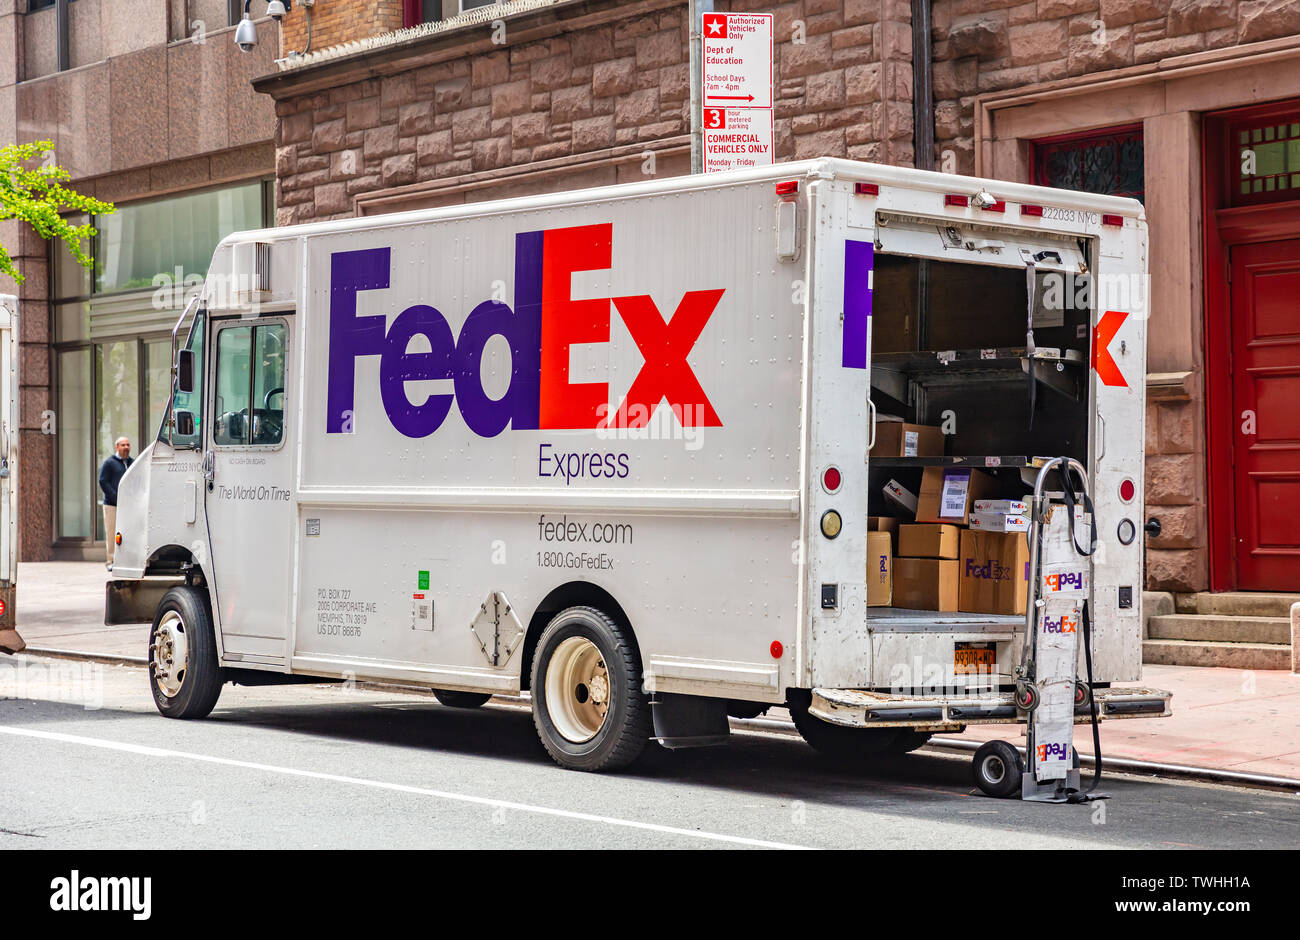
<point>545,322</point>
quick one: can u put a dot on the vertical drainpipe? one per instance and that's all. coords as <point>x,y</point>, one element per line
<point>922,87</point>
<point>62,55</point>
<point>922,147</point>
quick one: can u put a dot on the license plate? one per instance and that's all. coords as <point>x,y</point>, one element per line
<point>970,659</point>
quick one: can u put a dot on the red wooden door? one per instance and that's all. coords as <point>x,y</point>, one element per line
<point>1265,367</point>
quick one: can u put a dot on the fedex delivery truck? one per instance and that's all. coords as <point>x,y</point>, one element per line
<point>611,447</point>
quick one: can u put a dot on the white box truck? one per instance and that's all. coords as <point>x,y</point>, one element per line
<point>611,447</point>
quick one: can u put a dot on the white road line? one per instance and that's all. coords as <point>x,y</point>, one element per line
<point>148,751</point>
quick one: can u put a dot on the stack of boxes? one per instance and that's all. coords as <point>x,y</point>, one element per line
<point>964,551</point>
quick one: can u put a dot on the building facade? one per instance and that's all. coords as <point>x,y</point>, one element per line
<point>149,106</point>
<point>1189,105</point>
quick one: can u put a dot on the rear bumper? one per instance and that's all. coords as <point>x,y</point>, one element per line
<point>855,708</point>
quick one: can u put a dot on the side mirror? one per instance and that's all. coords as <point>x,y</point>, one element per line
<point>185,372</point>
<point>185,423</point>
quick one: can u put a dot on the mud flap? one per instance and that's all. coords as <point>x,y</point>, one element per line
<point>689,720</point>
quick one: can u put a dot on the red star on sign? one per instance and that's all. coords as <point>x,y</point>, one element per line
<point>715,26</point>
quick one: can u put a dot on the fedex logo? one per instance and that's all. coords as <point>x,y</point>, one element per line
<point>1064,581</point>
<point>991,570</point>
<point>545,322</point>
<point>1062,624</point>
<point>1056,751</point>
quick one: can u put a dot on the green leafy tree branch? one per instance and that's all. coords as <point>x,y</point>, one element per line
<point>32,191</point>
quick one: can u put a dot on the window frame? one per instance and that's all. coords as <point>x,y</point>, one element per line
<point>1041,148</point>
<point>210,400</point>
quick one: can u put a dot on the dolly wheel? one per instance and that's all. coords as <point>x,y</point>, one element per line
<point>1026,696</point>
<point>997,768</point>
<point>1082,694</point>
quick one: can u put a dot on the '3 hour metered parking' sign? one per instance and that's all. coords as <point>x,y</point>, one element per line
<point>737,90</point>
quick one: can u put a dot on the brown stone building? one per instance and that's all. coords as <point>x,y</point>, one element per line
<point>149,105</point>
<point>1158,99</point>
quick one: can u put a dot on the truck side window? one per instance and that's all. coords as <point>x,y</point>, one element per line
<point>250,385</point>
<point>191,401</point>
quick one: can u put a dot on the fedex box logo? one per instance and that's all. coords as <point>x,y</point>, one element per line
<point>1064,581</point>
<point>545,322</point>
<point>991,570</point>
<point>1062,624</point>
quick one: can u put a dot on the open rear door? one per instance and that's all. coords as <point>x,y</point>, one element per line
<point>10,641</point>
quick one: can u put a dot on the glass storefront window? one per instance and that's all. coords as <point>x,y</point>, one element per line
<point>72,322</point>
<point>70,279</point>
<point>117,400</point>
<point>73,435</point>
<point>171,237</point>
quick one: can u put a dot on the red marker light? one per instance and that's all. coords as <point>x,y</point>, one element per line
<point>953,199</point>
<point>117,539</point>
<point>1035,211</point>
<point>831,479</point>
<point>787,188</point>
<point>2,608</point>
<point>1116,220</point>
<point>866,189</point>
<point>999,206</point>
<point>1127,490</point>
<point>777,649</point>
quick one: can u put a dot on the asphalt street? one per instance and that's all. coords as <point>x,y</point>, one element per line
<point>88,763</point>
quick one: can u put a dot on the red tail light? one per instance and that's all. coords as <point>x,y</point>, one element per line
<point>955,199</point>
<point>866,189</point>
<point>1116,220</point>
<point>787,188</point>
<point>831,479</point>
<point>1036,211</point>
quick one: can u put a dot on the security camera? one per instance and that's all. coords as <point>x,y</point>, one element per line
<point>984,200</point>
<point>246,34</point>
<point>276,10</point>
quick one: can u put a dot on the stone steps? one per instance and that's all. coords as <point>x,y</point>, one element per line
<point>1216,653</point>
<point>1237,604</point>
<point>1214,627</point>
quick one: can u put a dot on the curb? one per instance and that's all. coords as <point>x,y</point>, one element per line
<point>787,728</point>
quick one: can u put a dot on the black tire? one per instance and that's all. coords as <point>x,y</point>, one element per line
<point>454,699</point>
<point>997,769</point>
<point>625,727</point>
<point>908,741</point>
<point>845,745</point>
<point>187,612</point>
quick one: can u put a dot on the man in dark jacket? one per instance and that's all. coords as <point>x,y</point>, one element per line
<point>110,474</point>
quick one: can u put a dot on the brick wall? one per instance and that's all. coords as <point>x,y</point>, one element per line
<point>983,46</point>
<point>843,87</point>
<point>1175,494</point>
<point>338,21</point>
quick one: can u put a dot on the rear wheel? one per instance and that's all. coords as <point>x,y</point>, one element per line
<point>998,768</point>
<point>908,741</point>
<point>454,699</point>
<point>835,741</point>
<point>183,672</point>
<point>588,706</point>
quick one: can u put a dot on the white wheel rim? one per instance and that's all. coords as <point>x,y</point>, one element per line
<point>577,689</point>
<point>994,769</point>
<point>169,654</point>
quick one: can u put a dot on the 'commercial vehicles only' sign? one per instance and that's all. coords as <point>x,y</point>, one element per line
<point>737,90</point>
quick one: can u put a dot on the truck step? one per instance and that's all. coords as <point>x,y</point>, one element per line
<point>1215,627</point>
<point>1229,655</point>
<point>1237,603</point>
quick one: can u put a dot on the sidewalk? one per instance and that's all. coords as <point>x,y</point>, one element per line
<point>1224,719</point>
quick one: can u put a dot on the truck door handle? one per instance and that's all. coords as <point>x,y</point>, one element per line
<point>871,408</point>
<point>209,468</point>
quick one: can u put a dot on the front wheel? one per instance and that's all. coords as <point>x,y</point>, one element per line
<point>184,675</point>
<point>588,706</point>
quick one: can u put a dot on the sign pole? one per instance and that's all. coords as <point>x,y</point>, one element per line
<point>695,13</point>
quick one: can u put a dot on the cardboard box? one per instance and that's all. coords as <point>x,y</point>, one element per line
<point>948,492</point>
<point>1015,507</point>
<point>897,439</point>
<point>900,496</point>
<point>994,572</point>
<point>929,540</point>
<point>880,554</point>
<point>926,583</point>
<point>999,522</point>
<point>885,524</point>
